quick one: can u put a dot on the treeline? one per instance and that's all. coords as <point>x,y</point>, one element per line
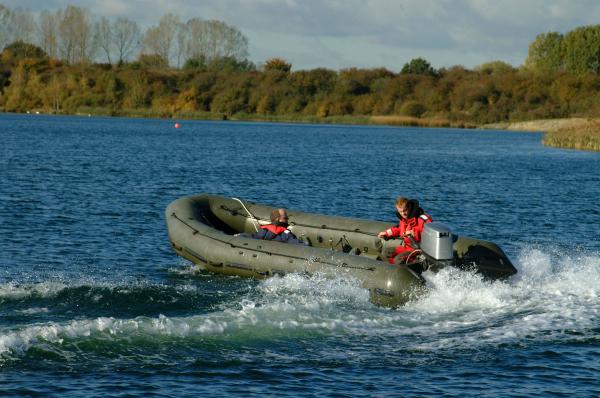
<point>215,79</point>
<point>493,92</point>
<point>576,52</point>
<point>73,36</point>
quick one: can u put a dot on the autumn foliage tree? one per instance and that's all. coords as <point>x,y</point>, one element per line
<point>277,64</point>
<point>560,78</point>
<point>20,50</point>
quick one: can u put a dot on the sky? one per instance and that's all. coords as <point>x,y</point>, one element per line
<point>340,34</point>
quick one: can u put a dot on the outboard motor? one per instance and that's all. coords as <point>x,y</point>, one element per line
<point>436,244</point>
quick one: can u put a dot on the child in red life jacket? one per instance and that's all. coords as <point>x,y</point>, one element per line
<point>277,230</point>
<point>410,227</point>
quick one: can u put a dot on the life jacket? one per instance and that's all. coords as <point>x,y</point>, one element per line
<point>416,225</point>
<point>274,229</point>
<point>412,222</point>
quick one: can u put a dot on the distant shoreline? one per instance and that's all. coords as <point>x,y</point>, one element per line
<point>568,133</point>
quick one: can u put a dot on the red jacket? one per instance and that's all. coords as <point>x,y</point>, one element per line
<point>275,229</point>
<point>276,233</point>
<point>406,224</point>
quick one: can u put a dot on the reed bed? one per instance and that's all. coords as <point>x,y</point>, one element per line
<point>419,122</point>
<point>583,136</point>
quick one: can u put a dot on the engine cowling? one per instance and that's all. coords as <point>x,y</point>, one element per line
<point>436,241</point>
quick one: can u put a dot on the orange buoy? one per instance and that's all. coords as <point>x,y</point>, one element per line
<point>177,125</point>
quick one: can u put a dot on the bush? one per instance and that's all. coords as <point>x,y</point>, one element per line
<point>277,64</point>
<point>412,108</point>
<point>20,50</point>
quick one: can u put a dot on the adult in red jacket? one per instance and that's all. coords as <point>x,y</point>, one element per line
<point>410,227</point>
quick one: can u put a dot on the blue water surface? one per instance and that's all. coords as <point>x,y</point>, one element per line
<point>94,302</point>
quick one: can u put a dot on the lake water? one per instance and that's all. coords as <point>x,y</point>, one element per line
<point>94,302</point>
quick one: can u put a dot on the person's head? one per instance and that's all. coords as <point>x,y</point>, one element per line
<point>402,207</point>
<point>279,217</point>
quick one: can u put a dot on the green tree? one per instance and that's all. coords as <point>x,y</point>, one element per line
<point>545,53</point>
<point>581,49</point>
<point>418,66</point>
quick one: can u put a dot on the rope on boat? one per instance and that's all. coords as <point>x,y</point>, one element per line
<point>250,214</point>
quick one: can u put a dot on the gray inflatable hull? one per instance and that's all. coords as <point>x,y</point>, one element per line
<point>203,229</point>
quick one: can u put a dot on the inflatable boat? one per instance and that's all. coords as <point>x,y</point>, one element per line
<point>214,233</point>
